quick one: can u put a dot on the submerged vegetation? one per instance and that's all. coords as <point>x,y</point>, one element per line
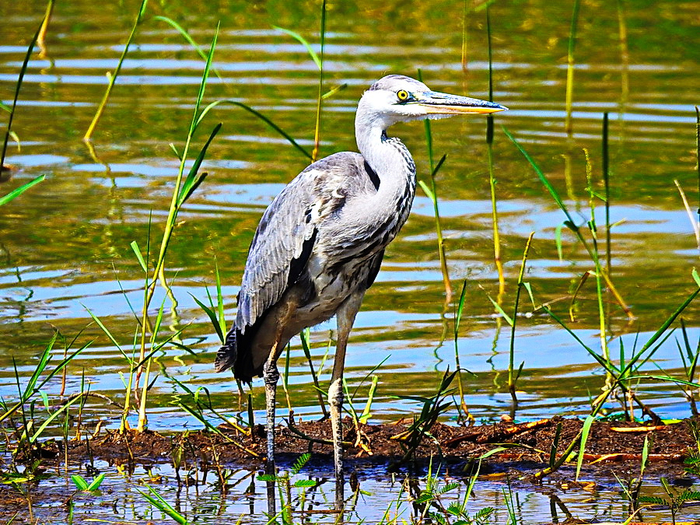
<point>173,320</point>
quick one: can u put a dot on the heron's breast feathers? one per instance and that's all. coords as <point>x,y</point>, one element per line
<point>326,214</point>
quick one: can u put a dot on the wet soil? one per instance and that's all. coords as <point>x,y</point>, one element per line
<point>519,452</point>
<point>523,449</point>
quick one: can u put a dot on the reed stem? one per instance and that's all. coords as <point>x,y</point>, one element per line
<point>113,76</point>
<point>512,375</point>
<point>568,127</point>
<point>432,195</point>
<point>319,102</point>
<point>492,177</point>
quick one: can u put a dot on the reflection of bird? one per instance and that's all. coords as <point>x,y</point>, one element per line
<point>319,245</point>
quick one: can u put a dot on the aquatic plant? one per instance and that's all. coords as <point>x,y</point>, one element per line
<point>112,76</point>
<point>284,484</point>
<point>432,408</point>
<point>159,502</point>
<point>9,132</point>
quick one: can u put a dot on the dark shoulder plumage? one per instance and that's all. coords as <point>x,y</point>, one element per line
<point>347,170</point>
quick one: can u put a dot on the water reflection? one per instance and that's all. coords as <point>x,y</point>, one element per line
<point>228,494</point>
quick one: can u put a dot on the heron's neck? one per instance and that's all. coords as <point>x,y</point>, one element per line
<point>389,159</point>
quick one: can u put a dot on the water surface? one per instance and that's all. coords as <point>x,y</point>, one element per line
<point>65,245</point>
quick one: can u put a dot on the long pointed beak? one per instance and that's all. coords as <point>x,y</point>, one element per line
<point>437,103</point>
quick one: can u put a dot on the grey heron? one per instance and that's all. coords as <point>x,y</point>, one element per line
<point>320,243</point>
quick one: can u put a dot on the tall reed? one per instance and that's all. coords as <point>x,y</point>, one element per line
<point>431,193</point>
<point>185,185</point>
<point>41,38</point>
<point>606,182</point>
<point>697,152</point>
<point>624,56</point>
<point>112,77</point>
<point>514,375</point>
<point>568,126</point>
<point>319,102</point>
<point>492,177</point>
<point>462,407</point>
<point>18,87</point>
<point>571,224</point>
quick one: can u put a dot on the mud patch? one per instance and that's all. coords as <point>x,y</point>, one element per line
<point>523,448</point>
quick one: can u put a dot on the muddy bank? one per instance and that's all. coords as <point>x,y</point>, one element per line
<point>522,449</point>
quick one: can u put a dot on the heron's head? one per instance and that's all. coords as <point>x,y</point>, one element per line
<point>397,98</point>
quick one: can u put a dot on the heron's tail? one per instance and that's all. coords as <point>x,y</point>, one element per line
<point>227,354</point>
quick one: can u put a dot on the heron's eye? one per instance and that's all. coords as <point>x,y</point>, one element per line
<point>402,95</point>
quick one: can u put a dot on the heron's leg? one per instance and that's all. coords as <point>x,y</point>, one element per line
<point>270,377</point>
<point>345,317</point>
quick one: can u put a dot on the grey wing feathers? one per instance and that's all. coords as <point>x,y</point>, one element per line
<point>285,240</point>
<point>278,241</point>
<point>287,230</point>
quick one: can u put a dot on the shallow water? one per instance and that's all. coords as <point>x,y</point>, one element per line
<point>64,245</point>
<point>120,498</point>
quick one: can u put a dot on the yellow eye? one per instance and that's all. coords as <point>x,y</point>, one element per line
<point>402,95</point>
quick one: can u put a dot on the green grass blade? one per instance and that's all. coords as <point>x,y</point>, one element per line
<point>304,336</point>
<point>645,457</point>
<point>660,332</point>
<point>18,86</point>
<point>157,348</point>
<point>19,191</point>
<point>158,502</point>
<point>45,380</point>
<point>104,328</point>
<point>668,379</point>
<point>220,301</point>
<point>61,365</point>
<point>212,317</point>
<point>113,76</point>
<point>555,446</point>
<point>159,321</point>
<point>428,132</point>
<point>605,364</point>
<point>96,482</point>
<point>261,117</point>
<point>203,84</point>
<point>366,413</point>
<point>192,181</point>
<point>314,56</point>
<point>585,432</point>
<point>187,37</point>
<point>428,191</point>
<point>53,416</point>
<point>134,246</point>
<point>501,311</point>
<point>39,369</point>
<point>460,307</point>
<point>569,220</point>
<point>79,482</point>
